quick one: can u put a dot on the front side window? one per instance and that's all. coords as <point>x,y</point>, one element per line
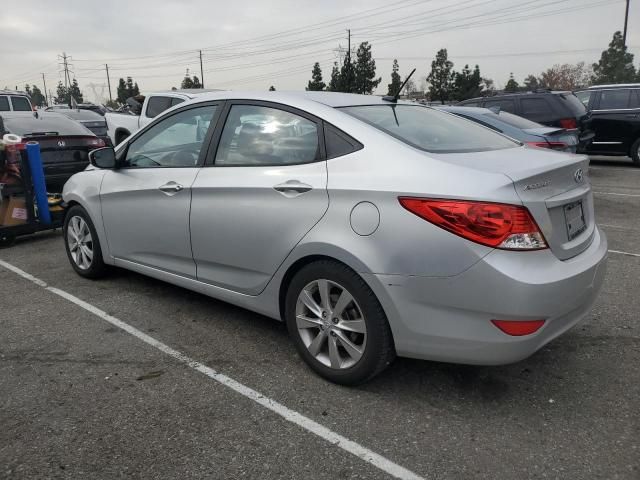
<point>173,142</point>
<point>256,135</point>
<point>4,104</point>
<point>429,129</point>
<point>157,105</point>
<point>21,104</point>
<point>614,99</point>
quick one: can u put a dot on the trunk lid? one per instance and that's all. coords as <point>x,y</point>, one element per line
<point>553,186</point>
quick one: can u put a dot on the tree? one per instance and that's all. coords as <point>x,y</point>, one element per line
<point>37,98</point>
<point>396,81</point>
<point>365,70</point>
<point>512,85</point>
<point>489,88</point>
<point>121,91</point>
<point>334,83</point>
<point>187,82</point>
<point>467,83</point>
<point>136,89</point>
<point>62,94</point>
<point>74,91</point>
<point>615,65</point>
<point>112,104</point>
<point>272,88</point>
<point>316,84</point>
<point>441,77</point>
<point>531,83</point>
<point>347,76</point>
<point>566,76</point>
<point>196,82</point>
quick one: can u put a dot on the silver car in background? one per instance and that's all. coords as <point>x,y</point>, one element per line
<point>372,228</point>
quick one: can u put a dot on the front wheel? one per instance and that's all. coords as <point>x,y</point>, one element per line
<point>337,324</point>
<point>635,153</point>
<point>82,244</point>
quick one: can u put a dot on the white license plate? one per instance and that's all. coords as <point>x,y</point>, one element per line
<point>574,217</point>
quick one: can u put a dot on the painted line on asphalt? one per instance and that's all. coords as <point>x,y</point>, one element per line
<point>618,194</point>
<point>624,253</point>
<point>292,416</point>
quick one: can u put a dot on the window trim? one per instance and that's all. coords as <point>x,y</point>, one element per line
<point>599,92</point>
<point>224,115</point>
<point>206,142</point>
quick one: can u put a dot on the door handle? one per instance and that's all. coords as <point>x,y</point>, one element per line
<point>292,186</point>
<point>171,188</point>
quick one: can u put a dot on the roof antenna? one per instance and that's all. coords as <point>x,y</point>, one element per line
<point>394,98</point>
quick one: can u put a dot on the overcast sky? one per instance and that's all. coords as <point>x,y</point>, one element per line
<point>253,44</point>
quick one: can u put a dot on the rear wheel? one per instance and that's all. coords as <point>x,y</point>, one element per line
<point>6,240</point>
<point>337,324</point>
<point>82,244</point>
<point>635,153</point>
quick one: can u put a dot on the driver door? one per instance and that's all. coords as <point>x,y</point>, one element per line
<point>147,201</point>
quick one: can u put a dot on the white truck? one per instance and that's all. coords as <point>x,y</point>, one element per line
<point>122,124</point>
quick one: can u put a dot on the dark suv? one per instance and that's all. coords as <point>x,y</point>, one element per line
<point>554,109</point>
<point>615,113</point>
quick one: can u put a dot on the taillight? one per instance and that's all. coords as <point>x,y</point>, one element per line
<point>496,225</point>
<point>569,123</point>
<point>96,142</point>
<point>518,328</point>
<point>551,145</point>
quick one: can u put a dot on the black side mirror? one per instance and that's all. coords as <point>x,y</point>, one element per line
<point>103,158</point>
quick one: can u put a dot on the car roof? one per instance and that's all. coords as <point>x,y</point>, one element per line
<point>614,85</point>
<point>26,123</point>
<point>14,92</point>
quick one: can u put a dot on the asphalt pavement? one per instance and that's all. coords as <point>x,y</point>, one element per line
<point>82,398</point>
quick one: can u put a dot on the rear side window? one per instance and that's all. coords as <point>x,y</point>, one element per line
<point>4,104</point>
<point>429,129</point>
<point>339,143</point>
<point>506,105</point>
<point>157,105</point>
<point>535,107</point>
<point>635,99</point>
<point>21,104</point>
<point>615,99</point>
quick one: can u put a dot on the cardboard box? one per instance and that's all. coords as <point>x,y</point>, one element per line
<point>13,211</point>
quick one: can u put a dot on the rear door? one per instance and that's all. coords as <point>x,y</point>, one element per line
<point>265,187</point>
<point>615,114</point>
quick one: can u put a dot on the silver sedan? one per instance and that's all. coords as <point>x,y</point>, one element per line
<point>373,228</point>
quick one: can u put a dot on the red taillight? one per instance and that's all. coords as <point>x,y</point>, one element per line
<point>569,123</point>
<point>497,225</point>
<point>518,328</point>
<point>551,145</point>
<point>96,142</point>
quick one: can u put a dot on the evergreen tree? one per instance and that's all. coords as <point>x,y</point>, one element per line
<point>27,89</point>
<point>615,65</point>
<point>335,84</point>
<point>272,88</point>
<point>441,77</point>
<point>347,76</point>
<point>396,82</point>
<point>365,70</point>
<point>512,85</point>
<point>136,89</point>
<point>467,84</point>
<point>187,82</point>
<point>121,91</point>
<point>37,98</point>
<point>74,91</point>
<point>531,83</point>
<point>316,84</point>
<point>130,88</point>
<point>196,82</point>
<point>62,94</point>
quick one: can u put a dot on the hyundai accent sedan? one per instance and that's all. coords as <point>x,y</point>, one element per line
<point>373,228</point>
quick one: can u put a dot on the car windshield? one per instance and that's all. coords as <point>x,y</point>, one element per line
<point>512,120</point>
<point>430,130</point>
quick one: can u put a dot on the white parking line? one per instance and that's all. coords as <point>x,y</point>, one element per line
<point>292,416</point>
<point>618,194</point>
<point>625,253</point>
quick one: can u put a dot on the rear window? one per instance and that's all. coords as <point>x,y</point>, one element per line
<point>430,130</point>
<point>21,104</point>
<point>512,120</point>
<point>572,103</point>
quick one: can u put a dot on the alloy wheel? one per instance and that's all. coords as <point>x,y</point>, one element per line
<point>80,242</point>
<point>331,324</point>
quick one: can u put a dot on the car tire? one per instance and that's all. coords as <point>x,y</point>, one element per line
<point>635,153</point>
<point>82,244</point>
<point>345,338</point>
<point>120,136</point>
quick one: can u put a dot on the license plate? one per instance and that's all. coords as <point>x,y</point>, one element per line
<point>574,217</point>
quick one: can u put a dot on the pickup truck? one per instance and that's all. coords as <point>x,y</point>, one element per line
<point>142,110</point>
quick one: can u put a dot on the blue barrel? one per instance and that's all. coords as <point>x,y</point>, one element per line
<point>39,185</point>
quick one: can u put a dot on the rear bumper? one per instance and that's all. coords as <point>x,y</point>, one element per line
<point>449,319</point>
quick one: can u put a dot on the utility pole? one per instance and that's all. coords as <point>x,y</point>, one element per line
<point>201,71</point>
<point>46,99</point>
<point>349,45</point>
<point>108,82</point>
<point>626,19</point>
<point>67,77</point>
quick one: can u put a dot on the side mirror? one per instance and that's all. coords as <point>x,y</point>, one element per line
<point>103,158</point>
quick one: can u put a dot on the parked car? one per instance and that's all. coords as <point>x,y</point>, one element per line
<point>550,108</point>
<point>64,143</point>
<point>57,108</point>
<point>615,114</point>
<point>15,101</point>
<point>372,228</point>
<point>523,130</point>
<point>143,110</point>
<point>99,109</point>
<point>93,121</point>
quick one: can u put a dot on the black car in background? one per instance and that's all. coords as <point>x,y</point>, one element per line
<point>93,121</point>
<point>615,114</point>
<point>550,108</point>
<point>64,143</point>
